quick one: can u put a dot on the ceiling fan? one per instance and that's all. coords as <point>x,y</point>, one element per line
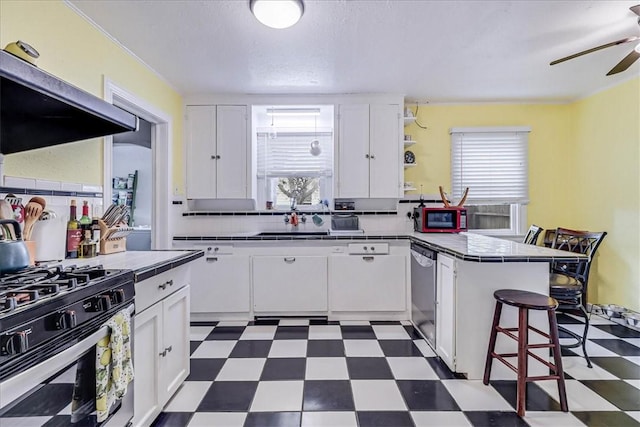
<point>626,62</point>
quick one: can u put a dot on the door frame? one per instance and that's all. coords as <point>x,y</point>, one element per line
<point>161,131</point>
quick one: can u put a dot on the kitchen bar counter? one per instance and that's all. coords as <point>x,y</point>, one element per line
<point>145,264</point>
<point>465,246</point>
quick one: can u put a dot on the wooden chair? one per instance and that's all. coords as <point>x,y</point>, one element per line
<point>568,281</point>
<point>531,238</point>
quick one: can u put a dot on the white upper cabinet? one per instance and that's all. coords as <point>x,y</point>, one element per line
<point>217,153</point>
<point>370,143</point>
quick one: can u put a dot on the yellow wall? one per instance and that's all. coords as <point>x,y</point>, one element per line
<point>584,172</point>
<point>74,50</point>
<point>604,188</point>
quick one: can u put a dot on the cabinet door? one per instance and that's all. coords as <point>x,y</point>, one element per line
<point>174,365</point>
<point>220,284</point>
<point>446,310</point>
<point>384,149</point>
<point>148,342</point>
<point>289,283</point>
<point>353,151</point>
<point>231,152</point>
<point>368,283</point>
<point>201,162</point>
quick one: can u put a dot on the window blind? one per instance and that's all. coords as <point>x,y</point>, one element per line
<point>289,155</point>
<point>492,163</point>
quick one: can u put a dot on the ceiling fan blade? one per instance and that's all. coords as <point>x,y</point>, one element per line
<point>594,49</point>
<point>625,63</point>
<point>635,9</point>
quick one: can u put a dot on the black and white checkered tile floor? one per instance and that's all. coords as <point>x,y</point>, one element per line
<point>314,373</point>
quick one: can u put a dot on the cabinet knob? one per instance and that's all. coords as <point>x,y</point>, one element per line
<point>290,260</point>
<point>213,157</point>
<point>218,156</point>
<point>373,156</point>
<point>368,258</point>
<point>366,156</point>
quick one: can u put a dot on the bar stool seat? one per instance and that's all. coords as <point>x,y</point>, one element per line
<point>526,301</point>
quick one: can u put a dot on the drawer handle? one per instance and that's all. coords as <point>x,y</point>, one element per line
<point>168,349</point>
<point>163,354</point>
<point>368,258</point>
<point>212,259</point>
<point>290,260</point>
<point>165,284</point>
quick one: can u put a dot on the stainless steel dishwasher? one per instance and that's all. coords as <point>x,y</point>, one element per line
<point>423,291</point>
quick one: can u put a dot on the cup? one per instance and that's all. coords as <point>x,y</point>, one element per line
<point>269,205</point>
<point>407,137</point>
<point>317,220</point>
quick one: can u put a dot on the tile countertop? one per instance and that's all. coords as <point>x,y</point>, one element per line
<point>464,246</point>
<point>145,264</point>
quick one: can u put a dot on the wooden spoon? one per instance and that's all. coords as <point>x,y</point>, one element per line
<point>39,200</point>
<point>33,211</point>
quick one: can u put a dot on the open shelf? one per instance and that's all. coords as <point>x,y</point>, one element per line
<point>409,188</point>
<point>409,120</point>
<point>408,143</point>
<point>409,165</point>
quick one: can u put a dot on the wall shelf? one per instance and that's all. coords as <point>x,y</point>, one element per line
<point>409,120</point>
<point>409,165</point>
<point>409,143</point>
<point>409,188</point>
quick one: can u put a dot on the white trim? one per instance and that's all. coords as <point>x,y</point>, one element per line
<point>161,131</point>
<point>489,129</point>
<point>117,42</point>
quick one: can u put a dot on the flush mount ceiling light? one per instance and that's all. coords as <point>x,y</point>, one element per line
<point>293,111</point>
<point>277,13</point>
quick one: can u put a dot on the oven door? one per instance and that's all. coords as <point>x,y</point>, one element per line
<point>43,394</point>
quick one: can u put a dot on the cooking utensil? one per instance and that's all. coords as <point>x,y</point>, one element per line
<point>33,211</point>
<point>39,200</point>
<point>7,213</point>
<point>14,254</point>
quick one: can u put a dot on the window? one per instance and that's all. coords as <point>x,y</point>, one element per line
<point>493,163</point>
<point>293,146</point>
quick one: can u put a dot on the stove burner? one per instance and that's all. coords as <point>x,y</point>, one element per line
<point>36,284</point>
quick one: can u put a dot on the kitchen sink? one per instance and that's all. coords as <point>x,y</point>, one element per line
<point>292,233</point>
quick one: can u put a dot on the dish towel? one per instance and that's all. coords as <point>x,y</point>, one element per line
<point>114,368</point>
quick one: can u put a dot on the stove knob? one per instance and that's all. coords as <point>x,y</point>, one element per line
<point>66,320</point>
<point>117,296</point>
<point>104,302</point>
<point>14,343</point>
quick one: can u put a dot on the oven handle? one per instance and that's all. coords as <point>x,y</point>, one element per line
<point>19,384</point>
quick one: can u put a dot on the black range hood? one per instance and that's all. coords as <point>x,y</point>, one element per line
<point>39,110</point>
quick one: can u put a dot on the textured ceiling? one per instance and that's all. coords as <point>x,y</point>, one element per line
<point>436,51</point>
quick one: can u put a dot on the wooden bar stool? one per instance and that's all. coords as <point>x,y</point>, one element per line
<point>526,301</point>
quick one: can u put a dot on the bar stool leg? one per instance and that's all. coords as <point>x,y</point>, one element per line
<point>523,367</point>
<point>557,359</point>
<point>492,342</point>
<point>584,335</point>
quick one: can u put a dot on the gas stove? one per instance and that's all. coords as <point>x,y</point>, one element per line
<point>43,310</point>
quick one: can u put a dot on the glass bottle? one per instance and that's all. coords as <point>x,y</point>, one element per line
<point>85,221</point>
<point>74,233</point>
<point>95,234</point>
<point>87,247</point>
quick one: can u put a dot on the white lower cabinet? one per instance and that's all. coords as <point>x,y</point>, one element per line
<point>368,283</point>
<point>161,348</point>
<point>446,310</point>
<point>220,284</point>
<point>291,284</point>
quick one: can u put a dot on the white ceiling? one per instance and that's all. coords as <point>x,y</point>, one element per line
<point>435,51</point>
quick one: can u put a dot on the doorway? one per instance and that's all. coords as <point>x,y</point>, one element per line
<point>160,122</point>
<point>132,171</point>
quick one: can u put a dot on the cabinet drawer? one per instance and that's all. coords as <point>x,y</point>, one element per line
<point>156,288</point>
<point>366,248</point>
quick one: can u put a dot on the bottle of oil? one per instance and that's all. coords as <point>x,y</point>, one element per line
<point>74,232</point>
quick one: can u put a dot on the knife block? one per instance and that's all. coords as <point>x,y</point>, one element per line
<point>113,239</point>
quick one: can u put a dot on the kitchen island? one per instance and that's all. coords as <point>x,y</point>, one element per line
<point>470,267</point>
